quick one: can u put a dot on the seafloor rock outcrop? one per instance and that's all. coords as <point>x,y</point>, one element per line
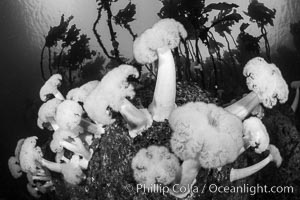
<point>109,175</point>
<point>280,123</point>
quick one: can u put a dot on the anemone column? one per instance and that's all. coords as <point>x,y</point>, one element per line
<point>165,89</point>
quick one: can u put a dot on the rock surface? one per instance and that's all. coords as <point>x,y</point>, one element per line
<point>109,175</point>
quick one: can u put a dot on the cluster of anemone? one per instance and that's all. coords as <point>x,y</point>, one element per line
<point>25,161</point>
<point>75,121</point>
<point>204,135</point>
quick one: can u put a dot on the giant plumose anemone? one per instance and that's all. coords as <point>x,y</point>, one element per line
<point>109,138</point>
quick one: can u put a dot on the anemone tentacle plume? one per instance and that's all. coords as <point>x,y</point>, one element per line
<point>14,167</point>
<point>18,148</point>
<point>255,134</point>
<point>30,155</point>
<point>68,114</point>
<point>155,165</point>
<point>206,133</point>
<point>267,85</point>
<point>50,88</point>
<point>166,33</point>
<point>110,92</point>
<point>47,113</point>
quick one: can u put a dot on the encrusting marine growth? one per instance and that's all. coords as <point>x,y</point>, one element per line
<point>204,135</point>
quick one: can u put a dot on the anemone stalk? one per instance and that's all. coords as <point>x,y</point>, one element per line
<point>274,156</point>
<point>56,167</point>
<point>236,174</point>
<point>163,101</point>
<point>244,106</point>
<point>294,106</point>
<point>137,120</point>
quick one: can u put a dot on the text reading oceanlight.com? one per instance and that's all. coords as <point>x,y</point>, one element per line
<point>213,188</point>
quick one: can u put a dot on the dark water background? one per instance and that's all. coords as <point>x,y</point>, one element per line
<point>21,37</point>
